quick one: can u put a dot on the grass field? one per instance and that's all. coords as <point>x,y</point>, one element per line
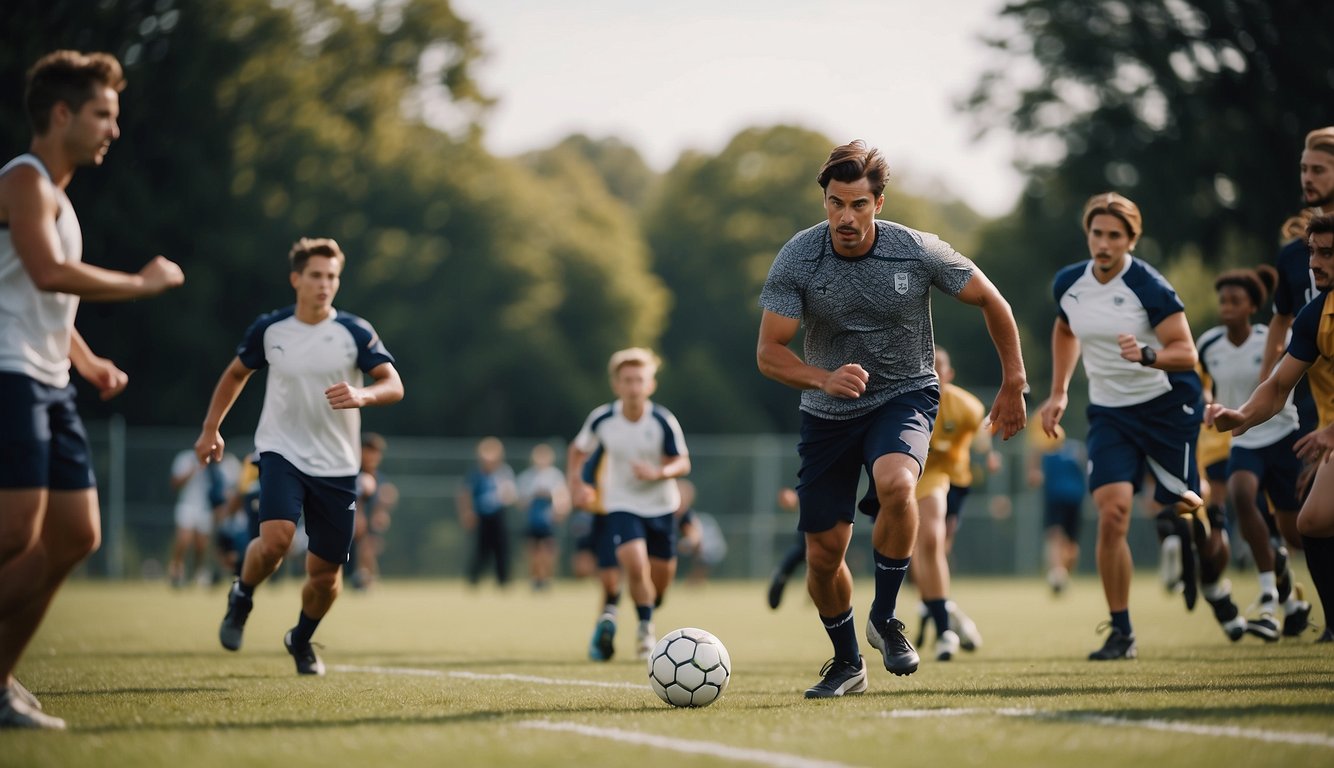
<point>430,673</point>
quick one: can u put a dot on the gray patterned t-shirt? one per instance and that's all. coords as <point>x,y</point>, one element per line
<point>874,311</point>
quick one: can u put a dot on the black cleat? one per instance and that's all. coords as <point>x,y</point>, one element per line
<point>1187,527</point>
<point>1326,637</point>
<point>307,662</point>
<point>1117,646</point>
<point>839,678</point>
<point>1229,618</point>
<point>900,657</point>
<point>233,624</point>
<point>1266,627</point>
<point>776,585</point>
<point>1298,619</point>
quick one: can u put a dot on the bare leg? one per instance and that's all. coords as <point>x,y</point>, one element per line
<point>1113,552</point>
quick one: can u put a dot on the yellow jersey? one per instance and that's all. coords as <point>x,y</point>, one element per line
<point>949,459</point>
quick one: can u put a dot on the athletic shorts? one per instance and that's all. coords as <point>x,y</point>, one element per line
<point>1064,515</point>
<point>658,533</point>
<point>1157,436</point>
<point>1218,471</point>
<point>190,517</point>
<point>329,504</point>
<point>834,453</point>
<point>43,443</point>
<point>954,500</point>
<point>1276,466</point>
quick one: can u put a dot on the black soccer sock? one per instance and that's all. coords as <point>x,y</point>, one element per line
<point>889,575</point>
<point>939,613</point>
<point>1320,562</point>
<point>843,634</point>
<point>1121,622</point>
<point>645,612</point>
<point>304,629</point>
<point>244,588</point>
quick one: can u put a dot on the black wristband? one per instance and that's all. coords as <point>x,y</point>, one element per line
<point>1147,356</point>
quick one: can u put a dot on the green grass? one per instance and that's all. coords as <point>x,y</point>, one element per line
<point>137,672</point>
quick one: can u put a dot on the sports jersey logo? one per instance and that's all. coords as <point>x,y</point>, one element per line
<point>1118,300</point>
<point>901,282</point>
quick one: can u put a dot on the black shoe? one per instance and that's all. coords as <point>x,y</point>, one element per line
<point>1266,627</point>
<point>1118,646</point>
<point>307,662</point>
<point>900,657</point>
<point>1299,619</point>
<point>1326,637</point>
<point>1229,618</point>
<point>233,624</point>
<point>776,585</point>
<point>839,678</point>
<point>1188,528</point>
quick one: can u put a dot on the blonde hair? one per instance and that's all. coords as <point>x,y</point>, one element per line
<point>1321,139</point>
<point>633,356</point>
<point>1120,206</point>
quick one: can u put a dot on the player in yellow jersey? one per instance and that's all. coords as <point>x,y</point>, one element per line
<point>948,466</point>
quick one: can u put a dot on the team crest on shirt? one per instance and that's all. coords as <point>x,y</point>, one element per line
<point>901,282</point>
<point>1118,300</point>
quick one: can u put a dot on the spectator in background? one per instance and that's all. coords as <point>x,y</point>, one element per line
<point>199,492</point>
<point>546,499</point>
<point>484,500</point>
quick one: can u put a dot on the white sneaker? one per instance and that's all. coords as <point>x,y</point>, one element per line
<point>947,645</point>
<point>1169,563</point>
<point>645,640</point>
<point>15,713</point>
<point>23,694</point>
<point>969,638</point>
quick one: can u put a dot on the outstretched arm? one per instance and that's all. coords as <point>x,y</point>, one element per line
<point>1267,399</point>
<point>210,443</point>
<point>1008,412</point>
<point>1064,356</point>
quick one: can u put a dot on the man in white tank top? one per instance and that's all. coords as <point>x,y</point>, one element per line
<point>49,519</point>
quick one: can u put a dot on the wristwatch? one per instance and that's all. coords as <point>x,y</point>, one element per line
<point>1147,356</point>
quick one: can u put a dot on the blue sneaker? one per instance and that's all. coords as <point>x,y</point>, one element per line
<point>603,644</point>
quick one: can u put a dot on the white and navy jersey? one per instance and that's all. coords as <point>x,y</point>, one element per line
<point>1235,370</point>
<point>1134,301</point>
<point>874,310</point>
<point>297,421</point>
<point>36,325</point>
<point>622,442</point>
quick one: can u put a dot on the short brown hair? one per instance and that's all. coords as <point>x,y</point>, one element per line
<point>853,161</point>
<point>71,77</point>
<point>1112,204</point>
<point>306,247</point>
<point>1320,225</point>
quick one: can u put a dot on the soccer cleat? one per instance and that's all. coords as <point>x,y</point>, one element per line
<point>1117,646</point>
<point>969,638</point>
<point>1296,614</point>
<point>603,645</point>
<point>24,695</point>
<point>839,678</point>
<point>307,662</point>
<point>15,713</point>
<point>644,640</point>
<point>899,655</point>
<point>233,624</point>
<point>1266,627</point>
<point>776,585</point>
<point>1187,528</point>
<point>1229,618</point>
<point>947,645</point>
<point>1327,636</point>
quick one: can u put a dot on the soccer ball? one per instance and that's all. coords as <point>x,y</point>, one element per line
<point>689,668</point>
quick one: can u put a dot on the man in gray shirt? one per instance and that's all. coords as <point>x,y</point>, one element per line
<point>869,391</point>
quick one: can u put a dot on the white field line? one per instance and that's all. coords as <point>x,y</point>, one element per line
<point>710,748</point>
<point>1229,731</point>
<point>459,674</point>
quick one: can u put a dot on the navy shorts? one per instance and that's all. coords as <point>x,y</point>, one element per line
<point>43,443</point>
<point>834,453</point>
<point>1064,515</point>
<point>329,503</point>
<point>1157,436</point>
<point>658,533</point>
<point>954,500</point>
<point>1276,466</point>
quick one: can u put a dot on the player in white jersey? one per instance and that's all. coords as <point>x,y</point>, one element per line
<point>49,518</point>
<point>1140,360</point>
<point>308,440</point>
<point>1262,460</point>
<point>644,451</point>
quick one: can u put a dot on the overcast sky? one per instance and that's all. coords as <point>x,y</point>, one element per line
<point>689,74</point>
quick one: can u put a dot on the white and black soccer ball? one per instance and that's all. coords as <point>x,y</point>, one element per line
<point>689,668</point>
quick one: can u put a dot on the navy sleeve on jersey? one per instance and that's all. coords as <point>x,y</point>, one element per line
<point>1064,279</point>
<point>669,446</point>
<point>251,348</point>
<point>1206,340</point>
<point>371,351</point>
<point>589,471</point>
<point>1305,328</point>
<point>1158,297</point>
<point>1294,268</point>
